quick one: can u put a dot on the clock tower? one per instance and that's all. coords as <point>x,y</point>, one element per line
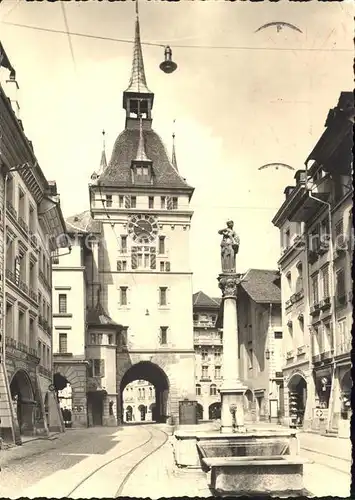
<point>142,262</point>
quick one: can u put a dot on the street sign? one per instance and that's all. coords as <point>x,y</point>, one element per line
<point>319,413</point>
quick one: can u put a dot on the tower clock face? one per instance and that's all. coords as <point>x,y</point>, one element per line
<point>143,228</point>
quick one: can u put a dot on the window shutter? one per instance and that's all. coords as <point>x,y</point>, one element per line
<point>153,261</point>
<point>127,202</point>
<point>90,368</point>
<point>134,258</point>
<point>102,367</point>
<point>169,203</point>
<point>119,265</point>
<point>167,266</point>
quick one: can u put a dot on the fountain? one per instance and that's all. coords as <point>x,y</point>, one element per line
<point>240,461</point>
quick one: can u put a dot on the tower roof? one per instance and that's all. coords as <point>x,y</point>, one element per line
<point>118,172</point>
<point>141,154</point>
<point>138,82</point>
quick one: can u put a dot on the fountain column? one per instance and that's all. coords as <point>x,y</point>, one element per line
<point>232,389</point>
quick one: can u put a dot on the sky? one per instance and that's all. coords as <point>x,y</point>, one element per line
<point>236,109</point>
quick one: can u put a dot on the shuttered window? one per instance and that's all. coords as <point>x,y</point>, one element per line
<point>325,281</point>
<point>62,303</point>
<point>161,244</point>
<point>340,283</point>
<point>163,335</point>
<point>63,343</point>
<point>162,296</point>
<point>123,295</point>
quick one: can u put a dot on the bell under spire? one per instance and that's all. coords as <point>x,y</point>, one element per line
<point>138,82</point>
<point>137,98</point>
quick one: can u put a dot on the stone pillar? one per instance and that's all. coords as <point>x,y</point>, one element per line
<point>232,390</point>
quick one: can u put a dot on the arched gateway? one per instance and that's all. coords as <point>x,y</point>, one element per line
<point>152,373</point>
<point>23,400</point>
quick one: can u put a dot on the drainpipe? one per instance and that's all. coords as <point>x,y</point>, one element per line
<point>331,289</point>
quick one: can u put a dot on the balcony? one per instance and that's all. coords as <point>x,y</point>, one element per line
<point>205,379</point>
<point>314,309</point>
<point>325,304</point>
<point>204,324</point>
<point>288,304</point>
<point>33,239</point>
<point>33,294</point>
<point>323,248</point>
<point>297,296</point>
<point>316,359</point>
<point>210,341</point>
<point>11,210</point>
<point>326,355</point>
<point>344,347</point>
<point>21,350</point>
<point>312,256</point>
<point>23,225</point>
<point>301,350</point>
<point>21,285</point>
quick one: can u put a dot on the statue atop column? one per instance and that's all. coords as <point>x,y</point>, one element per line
<point>229,248</point>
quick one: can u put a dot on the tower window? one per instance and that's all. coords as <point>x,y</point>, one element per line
<point>175,203</point>
<point>151,201</point>
<point>108,200</point>
<point>162,201</point>
<point>62,303</point>
<point>162,267</point>
<point>198,390</point>
<point>121,265</point>
<point>63,343</point>
<point>123,244</point>
<point>163,335</point>
<point>162,244</point>
<point>133,202</point>
<point>162,296</point>
<point>121,201</point>
<point>123,295</point>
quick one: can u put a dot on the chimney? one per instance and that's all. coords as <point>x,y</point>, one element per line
<point>300,177</point>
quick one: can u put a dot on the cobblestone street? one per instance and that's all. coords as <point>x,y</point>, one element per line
<point>54,468</point>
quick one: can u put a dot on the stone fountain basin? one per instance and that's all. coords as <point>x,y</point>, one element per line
<point>191,447</point>
<point>267,475</point>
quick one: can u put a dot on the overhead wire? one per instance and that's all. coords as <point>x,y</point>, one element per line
<point>181,46</point>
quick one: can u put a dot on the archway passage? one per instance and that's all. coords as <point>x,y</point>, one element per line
<point>150,389</point>
<point>199,411</point>
<point>297,388</point>
<point>345,391</point>
<point>65,398</point>
<point>23,400</point>
<point>214,411</point>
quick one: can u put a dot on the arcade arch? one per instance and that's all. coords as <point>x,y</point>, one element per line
<point>297,388</point>
<point>199,411</point>
<point>23,400</point>
<point>154,375</point>
<point>214,411</point>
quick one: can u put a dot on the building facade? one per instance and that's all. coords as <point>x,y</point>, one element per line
<point>260,340</point>
<point>136,271</point>
<point>208,355</point>
<point>32,227</point>
<point>139,402</point>
<point>315,223</point>
<point>260,344</point>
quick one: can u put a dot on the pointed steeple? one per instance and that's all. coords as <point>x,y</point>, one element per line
<point>138,82</point>
<point>141,156</point>
<point>103,162</point>
<point>137,98</point>
<point>173,155</point>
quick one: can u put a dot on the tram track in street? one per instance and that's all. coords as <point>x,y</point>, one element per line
<point>94,475</point>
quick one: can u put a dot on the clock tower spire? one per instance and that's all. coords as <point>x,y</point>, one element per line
<point>137,98</point>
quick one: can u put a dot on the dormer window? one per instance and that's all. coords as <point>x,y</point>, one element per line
<point>141,174</point>
<point>108,200</point>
